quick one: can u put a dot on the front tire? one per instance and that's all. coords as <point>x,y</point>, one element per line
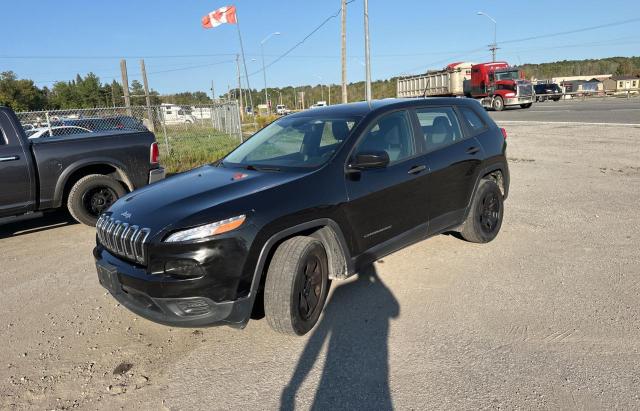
<point>91,196</point>
<point>297,285</point>
<point>498,103</point>
<point>485,216</point>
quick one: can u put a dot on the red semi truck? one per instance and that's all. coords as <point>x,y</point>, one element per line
<point>495,85</point>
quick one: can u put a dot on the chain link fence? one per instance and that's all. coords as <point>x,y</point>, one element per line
<point>188,136</point>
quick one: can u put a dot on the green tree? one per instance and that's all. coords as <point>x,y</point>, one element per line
<point>20,95</point>
<point>137,93</point>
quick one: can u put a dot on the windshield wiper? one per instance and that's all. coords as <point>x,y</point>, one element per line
<point>261,168</point>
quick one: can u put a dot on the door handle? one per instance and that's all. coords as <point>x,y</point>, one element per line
<point>12,158</point>
<point>417,169</point>
<point>472,150</point>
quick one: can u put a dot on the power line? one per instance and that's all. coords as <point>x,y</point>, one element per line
<point>102,77</point>
<point>562,33</point>
<point>192,67</point>
<point>333,16</point>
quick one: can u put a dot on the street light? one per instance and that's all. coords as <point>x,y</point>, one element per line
<point>264,70</point>
<point>494,47</point>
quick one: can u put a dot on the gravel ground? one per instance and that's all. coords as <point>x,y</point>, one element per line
<point>545,316</point>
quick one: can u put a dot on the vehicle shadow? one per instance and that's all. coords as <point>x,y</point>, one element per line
<point>356,326</point>
<point>49,221</point>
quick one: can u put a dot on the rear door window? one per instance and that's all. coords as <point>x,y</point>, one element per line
<point>439,126</point>
<point>473,121</point>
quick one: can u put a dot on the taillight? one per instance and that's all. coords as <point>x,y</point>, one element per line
<point>155,154</point>
<point>504,133</point>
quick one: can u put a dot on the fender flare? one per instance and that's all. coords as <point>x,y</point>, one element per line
<point>72,168</point>
<point>498,166</point>
<point>274,239</point>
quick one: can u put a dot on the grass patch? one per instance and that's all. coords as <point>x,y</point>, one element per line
<point>192,146</point>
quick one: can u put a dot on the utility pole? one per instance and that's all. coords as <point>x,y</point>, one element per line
<point>240,87</point>
<point>367,57</point>
<point>213,93</point>
<point>344,52</point>
<point>125,85</point>
<point>329,93</point>
<point>146,94</point>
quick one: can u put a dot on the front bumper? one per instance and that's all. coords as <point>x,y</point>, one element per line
<point>156,175</point>
<point>518,100</point>
<point>175,303</point>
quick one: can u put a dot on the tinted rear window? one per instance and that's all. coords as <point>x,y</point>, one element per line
<point>472,119</point>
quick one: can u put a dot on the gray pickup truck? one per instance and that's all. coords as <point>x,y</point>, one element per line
<point>84,172</point>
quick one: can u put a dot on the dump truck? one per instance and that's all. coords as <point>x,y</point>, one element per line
<point>495,85</point>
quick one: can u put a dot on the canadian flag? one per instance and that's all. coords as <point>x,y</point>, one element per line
<point>225,14</point>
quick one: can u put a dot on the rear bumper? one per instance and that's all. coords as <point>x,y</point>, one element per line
<point>156,175</point>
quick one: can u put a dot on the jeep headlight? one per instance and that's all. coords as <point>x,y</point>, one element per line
<point>207,230</point>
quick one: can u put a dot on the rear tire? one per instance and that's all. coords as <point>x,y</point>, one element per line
<point>498,103</point>
<point>91,196</point>
<point>297,285</point>
<point>485,215</point>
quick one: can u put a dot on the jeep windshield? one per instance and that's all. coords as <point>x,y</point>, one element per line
<point>293,142</point>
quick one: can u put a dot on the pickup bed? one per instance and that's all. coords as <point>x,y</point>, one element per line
<point>84,172</point>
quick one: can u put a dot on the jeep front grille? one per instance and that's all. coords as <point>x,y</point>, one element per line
<point>125,240</point>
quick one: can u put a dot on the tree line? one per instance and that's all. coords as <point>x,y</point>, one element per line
<point>82,92</point>
<point>612,65</point>
<point>90,92</point>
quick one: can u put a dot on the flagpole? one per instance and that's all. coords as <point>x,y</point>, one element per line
<point>244,63</point>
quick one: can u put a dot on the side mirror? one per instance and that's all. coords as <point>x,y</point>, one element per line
<point>370,159</point>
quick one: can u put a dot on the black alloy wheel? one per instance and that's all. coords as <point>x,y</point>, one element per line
<point>490,214</point>
<point>91,196</point>
<point>98,199</point>
<point>296,286</point>
<point>310,287</point>
<point>485,214</point>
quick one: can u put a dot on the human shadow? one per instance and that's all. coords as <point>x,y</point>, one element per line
<point>49,221</point>
<point>356,370</point>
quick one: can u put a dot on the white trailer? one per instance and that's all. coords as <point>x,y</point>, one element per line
<point>447,82</point>
<point>174,114</point>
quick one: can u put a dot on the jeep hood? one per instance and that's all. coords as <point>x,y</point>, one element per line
<point>171,201</point>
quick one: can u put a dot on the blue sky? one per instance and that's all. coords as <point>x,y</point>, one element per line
<point>407,36</point>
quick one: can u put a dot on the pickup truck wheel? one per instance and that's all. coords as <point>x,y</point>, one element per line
<point>498,103</point>
<point>297,285</point>
<point>485,216</point>
<point>91,196</point>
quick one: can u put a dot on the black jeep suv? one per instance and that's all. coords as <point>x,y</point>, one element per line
<point>314,196</point>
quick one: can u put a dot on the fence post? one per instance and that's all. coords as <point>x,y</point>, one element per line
<point>46,116</point>
<point>164,131</point>
<point>212,111</point>
<point>239,122</point>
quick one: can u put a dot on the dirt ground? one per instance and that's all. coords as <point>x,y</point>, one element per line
<point>545,316</point>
